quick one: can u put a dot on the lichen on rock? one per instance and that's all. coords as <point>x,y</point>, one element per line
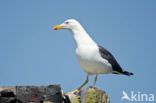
<point>90,95</point>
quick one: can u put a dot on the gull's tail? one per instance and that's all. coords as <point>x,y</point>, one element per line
<point>123,72</point>
<point>127,73</point>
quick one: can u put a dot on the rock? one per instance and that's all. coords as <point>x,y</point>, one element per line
<point>90,95</point>
<point>7,100</point>
<point>39,94</point>
<point>7,91</point>
<point>7,95</point>
<point>50,94</point>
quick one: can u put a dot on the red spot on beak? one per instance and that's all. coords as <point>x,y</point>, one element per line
<point>55,28</point>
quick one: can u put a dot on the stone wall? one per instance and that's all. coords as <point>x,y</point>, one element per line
<point>50,94</point>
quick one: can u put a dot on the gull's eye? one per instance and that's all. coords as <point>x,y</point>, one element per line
<point>67,22</point>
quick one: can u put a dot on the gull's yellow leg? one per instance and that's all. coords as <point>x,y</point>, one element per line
<point>95,79</point>
<point>77,90</point>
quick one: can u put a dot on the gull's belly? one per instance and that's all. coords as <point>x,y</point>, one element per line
<point>92,63</point>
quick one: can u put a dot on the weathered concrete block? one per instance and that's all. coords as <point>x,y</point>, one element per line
<point>39,94</point>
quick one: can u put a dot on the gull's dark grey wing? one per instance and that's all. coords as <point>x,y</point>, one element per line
<point>105,54</point>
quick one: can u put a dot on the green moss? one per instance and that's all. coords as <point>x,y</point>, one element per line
<point>75,100</point>
<point>104,98</point>
<point>90,95</point>
<point>93,96</point>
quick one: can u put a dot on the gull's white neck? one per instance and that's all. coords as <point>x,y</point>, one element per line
<point>81,37</point>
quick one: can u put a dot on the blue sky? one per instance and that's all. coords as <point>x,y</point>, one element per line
<point>31,53</point>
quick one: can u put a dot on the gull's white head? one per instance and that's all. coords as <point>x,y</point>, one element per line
<point>80,35</point>
<point>69,24</point>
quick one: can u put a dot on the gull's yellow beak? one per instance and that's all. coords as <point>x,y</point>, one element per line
<point>57,27</point>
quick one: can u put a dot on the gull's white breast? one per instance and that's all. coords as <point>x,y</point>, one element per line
<point>91,61</point>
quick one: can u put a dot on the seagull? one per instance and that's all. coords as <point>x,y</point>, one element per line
<point>92,58</point>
